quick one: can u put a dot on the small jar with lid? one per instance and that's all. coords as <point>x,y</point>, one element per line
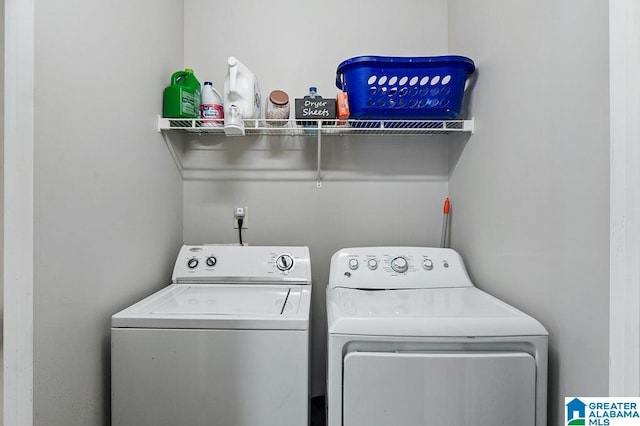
<point>277,108</point>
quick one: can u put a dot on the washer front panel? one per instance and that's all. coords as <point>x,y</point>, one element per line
<point>166,377</point>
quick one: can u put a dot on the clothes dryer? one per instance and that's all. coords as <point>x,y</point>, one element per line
<point>227,343</point>
<point>411,341</point>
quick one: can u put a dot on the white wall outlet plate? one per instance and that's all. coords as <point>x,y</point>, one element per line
<point>238,212</point>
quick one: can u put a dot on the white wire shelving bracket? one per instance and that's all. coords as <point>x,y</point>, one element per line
<point>322,127</point>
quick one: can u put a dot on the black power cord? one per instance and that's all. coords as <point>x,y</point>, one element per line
<point>240,222</point>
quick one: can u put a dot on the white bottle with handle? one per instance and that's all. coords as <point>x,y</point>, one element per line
<point>242,99</point>
<point>211,107</point>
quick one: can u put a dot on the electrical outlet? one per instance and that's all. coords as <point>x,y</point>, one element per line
<point>240,212</point>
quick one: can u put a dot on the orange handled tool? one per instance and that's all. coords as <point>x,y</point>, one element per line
<point>445,223</point>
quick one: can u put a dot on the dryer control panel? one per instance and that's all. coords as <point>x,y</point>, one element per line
<point>228,264</point>
<point>397,267</point>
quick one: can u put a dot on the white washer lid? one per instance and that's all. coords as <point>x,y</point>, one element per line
<point>441,312</point>
<point>207,306</point>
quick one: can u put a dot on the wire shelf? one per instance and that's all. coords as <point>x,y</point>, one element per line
<point>321,128</point>
<point>326,127</point>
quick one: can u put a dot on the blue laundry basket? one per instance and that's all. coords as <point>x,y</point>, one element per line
<point>404,88</point>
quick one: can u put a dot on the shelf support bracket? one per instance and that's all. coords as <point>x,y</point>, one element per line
<point>319,177</point>
<point>470,126</point>
<point>174,154</point>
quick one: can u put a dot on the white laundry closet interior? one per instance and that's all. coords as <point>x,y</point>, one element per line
<point>111,208</point>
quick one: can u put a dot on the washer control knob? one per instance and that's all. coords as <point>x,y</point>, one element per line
<point>372,264</point>
<point>284,262</point>
<point>192,263</point>
<point>211,261</point>
<point>353,264</point>
<point>400,264</point>
<point>427,264</point>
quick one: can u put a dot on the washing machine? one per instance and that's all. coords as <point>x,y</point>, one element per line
<point>227,343</point>
<point>411,341</point>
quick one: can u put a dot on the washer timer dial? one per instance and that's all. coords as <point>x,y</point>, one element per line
<point>400,264</point>
<point>211,261</point>
<point>284,262</point>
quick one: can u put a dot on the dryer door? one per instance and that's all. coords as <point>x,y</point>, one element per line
<point>444,388</point>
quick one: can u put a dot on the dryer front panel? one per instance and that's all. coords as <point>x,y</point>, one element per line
<point>445,388</point>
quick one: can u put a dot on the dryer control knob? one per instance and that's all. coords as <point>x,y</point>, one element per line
<point>284,262</point>
<point>353,264</point>
<point>427,264</point>
<point>400,264</point>
<point>211,261</point>
<point>192,263</point>
<point>372,264</point>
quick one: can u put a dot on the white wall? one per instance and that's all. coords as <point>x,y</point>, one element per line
<point>107,203</point>
<point>377,191</point>
<point>531,191</point>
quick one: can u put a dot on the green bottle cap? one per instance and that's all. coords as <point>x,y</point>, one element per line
<point>188,70</point>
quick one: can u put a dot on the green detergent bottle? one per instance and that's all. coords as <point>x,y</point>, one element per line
<point>182,98</point>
